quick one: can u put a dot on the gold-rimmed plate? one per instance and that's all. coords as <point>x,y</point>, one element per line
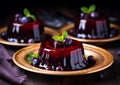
<point>112,26</point>
<point>104,59</point>
<point>47,31</point>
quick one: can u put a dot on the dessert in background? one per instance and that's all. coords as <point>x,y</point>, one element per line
<point>92,24</point>
<point>24,28</point>
<point>61,53</point>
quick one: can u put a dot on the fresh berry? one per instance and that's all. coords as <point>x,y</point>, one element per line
<point>24,20</point>
<point>4,35</point>
<point>57,44</point>
<point>31,41</point>
<point>94,15</point>
<point>35,62</point>
<point>113,32</point>
<point>59,68</point>
<point>84,15</point>
<point>67,41</point>
<point>91,59</point>
<point>30,19</point>
<point>18,16</point>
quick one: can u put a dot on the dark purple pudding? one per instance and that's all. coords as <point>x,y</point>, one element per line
<point>24,28</point>
<point>91,25</point>
<point>62,54</point>
<point>62,57</point>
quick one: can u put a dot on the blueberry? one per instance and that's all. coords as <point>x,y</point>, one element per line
<point>94,15</point>
<point>18,16</point>
<point>35,62</point>
<point>59,68</point>
<point>113,32</point>
<point>21,41</point>
<point>91,59</point>
<point>31,40</point>
<point>84,16</point>
<point>4,35</point>
<point>67,41</point>
<point>30,19</point>
<point>24,19</point>
<point>57,44</point>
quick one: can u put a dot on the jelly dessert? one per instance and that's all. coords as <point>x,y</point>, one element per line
<point>24,28</point>
<point>61,53</point>
<point>92,24</point>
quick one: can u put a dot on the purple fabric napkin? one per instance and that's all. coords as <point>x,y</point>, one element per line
<point>8,70</point>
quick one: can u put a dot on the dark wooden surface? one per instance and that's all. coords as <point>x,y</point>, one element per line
<point>109,76</point>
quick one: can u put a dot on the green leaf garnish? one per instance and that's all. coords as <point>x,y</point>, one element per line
<point>84,9</point>
<point>31,55</point>
<point>88,10</point>
<point>61,37</point>
<point>28,14</point>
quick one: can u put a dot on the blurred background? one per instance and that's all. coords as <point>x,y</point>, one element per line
<point>7,9</point>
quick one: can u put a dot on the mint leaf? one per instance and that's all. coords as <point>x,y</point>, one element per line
<point>31,55</point>
<point>64,34</point>
<point>61,37</point>
<point>56,38</point>
<point>33,17</point>
<point>88,10</point>
<point>92,8</point>
<point>28,14</point>
<point>84,9</point>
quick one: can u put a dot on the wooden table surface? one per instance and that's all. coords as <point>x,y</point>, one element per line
<point>109,76</point>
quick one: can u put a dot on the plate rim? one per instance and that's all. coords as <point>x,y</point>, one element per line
<point>22,63</point>
<point>71,25</point>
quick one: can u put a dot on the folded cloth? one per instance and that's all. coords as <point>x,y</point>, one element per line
<point>8,70</point>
